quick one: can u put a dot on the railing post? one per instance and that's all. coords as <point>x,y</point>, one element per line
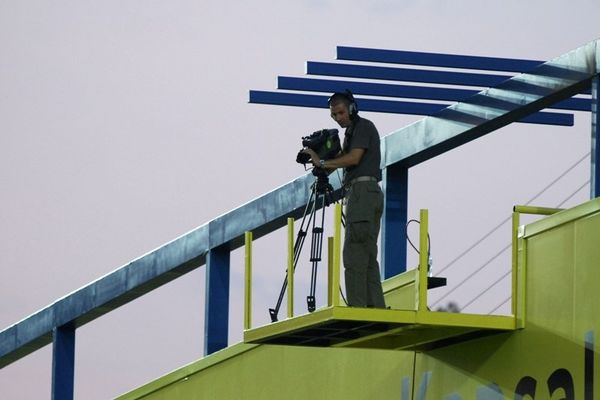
<point>521,308</point>
<point>63,362</point>
<point>421,292</point>
<point>515,253</point>
<point>595,150</point>
<point>393,227</point>
<point>216,317</point>
<point>290,269</point>
<point>248,281</point>
<point>519,260</point>
<point>337,255</point>
<point>330,289</point>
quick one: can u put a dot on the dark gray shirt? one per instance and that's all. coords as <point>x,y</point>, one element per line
<point>362,134</point>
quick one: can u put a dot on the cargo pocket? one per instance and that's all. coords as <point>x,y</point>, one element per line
<point>360,231</point>
<point>375,196</point>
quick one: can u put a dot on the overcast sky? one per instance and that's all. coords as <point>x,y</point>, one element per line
<point>124,124</point>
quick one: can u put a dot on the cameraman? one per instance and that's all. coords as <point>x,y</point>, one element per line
<point>360,158</point>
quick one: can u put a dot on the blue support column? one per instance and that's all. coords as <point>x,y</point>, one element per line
<point>63,362</point>
<point>216,318</point>
<point>393,228</point>
<point>595,163</point>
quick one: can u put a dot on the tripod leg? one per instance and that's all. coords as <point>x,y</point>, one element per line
<point>310,205</point>
<point>316,249</point>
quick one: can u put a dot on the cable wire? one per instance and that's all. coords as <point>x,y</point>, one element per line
<point>343,297</point>
<point>486,289</point>
<point>461,255</point>
<point>488,262</point>
<point>411,243</point>
<point>496,256</point>
<point>500,305</point>
<point>573,194</point>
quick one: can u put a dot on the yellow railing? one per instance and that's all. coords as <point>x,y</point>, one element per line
<point>334,256</point>
<point>333,263</point>
<point>334,283</point>
<point>519,276</point>
<point>421,284</point>
<point>421,277</point>
<point>330,291</point>
<point>290,268</point>
<point>248,282</point>
<point>334,252</point>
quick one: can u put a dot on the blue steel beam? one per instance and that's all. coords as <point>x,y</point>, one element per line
<point>416,75</point>
<point>403,107</point>
<point>595,154</point>
<point>403,91</point>
<point>216,316</point>
<point>415,143</point>
<point>63,362</point>
<point>404,74</point>
<point>395,217</point>
<point>180,256</point>
<point>460,123</point>
<point>436,59</point>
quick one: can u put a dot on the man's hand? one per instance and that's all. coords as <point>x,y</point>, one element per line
<point>314,157</point>
<point>342,161</point>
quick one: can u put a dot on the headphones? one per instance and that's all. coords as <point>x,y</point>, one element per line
<point>347,94</point>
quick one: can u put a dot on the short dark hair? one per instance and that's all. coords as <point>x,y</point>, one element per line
<point>338,98</point>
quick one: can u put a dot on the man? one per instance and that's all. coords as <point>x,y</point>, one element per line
<point>360,158</point>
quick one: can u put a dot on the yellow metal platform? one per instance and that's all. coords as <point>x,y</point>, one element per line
<point>407,325</point>
<point>379,328</point>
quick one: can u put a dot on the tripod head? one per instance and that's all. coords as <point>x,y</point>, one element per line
<point>322,185</point>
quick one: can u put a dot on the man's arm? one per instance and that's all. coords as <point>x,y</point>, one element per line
<point>345,160</point>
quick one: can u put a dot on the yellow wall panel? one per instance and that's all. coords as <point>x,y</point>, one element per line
<point>287,372</point>
<point>554,356</point>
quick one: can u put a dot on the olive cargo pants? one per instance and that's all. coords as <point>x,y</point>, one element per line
<point>363,218</point>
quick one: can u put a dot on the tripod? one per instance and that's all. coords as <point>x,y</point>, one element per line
<point>321,190</point>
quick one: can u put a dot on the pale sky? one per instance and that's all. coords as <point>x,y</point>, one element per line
<point>124,124</point>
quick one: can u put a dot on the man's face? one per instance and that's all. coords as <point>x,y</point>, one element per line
<point>339,112</point>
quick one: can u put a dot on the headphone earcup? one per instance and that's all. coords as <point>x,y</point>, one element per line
<point>351,108</point>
